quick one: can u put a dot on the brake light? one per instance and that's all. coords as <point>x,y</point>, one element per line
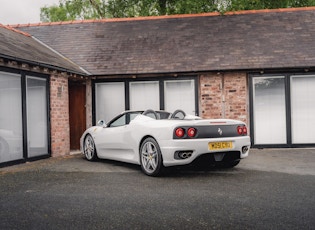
<point>244,130</point>
<point>179,132</point>
<point>241,130</point>
<point>191,132</point>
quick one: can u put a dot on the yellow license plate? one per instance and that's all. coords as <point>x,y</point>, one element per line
<point>220,145</point>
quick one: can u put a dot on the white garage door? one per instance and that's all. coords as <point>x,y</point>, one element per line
<point>303,109</point>
<point>283,110</point>
<point>269,110</point>
<point>112,98</point>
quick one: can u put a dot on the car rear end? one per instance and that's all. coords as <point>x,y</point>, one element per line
<point>221,141</point>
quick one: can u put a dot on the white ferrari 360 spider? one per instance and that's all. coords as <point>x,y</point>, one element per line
<point>159,139</point>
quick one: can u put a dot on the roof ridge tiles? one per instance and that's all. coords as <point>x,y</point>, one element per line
<point>242,12</point>
<point>15,30</point>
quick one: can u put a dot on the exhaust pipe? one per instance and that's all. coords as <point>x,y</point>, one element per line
<point>183,154</point>
<point>245,149</point>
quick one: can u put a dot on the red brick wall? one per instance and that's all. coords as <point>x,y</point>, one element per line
<point>224,95</point>
<point>59,115</point>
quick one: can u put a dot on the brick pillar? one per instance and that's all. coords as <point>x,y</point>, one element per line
<point>211,96</point>
<point>59,115</point>
<point>224,95</point>
<point>236,96</point>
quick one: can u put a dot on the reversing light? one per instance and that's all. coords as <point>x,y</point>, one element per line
<point>179,132</point>
<point>191,132</point>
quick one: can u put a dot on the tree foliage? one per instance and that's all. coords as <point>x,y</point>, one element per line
<point>267,4</point>
<point>97,9</point>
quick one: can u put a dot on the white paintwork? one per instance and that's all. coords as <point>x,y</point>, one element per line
<point>123,143</point>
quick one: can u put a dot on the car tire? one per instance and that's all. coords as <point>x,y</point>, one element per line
<point>89,149</point>
<point>151,158</point>
<point>228,164</point>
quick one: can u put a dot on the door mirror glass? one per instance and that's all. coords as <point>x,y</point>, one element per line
<point>101,123</point>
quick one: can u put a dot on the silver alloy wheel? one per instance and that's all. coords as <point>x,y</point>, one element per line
<point>89,148</point>
<point>151,159</point>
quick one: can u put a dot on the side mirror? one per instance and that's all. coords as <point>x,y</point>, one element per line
<point>101,123</point>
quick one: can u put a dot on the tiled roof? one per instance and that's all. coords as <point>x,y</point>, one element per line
<point>282,38</point>
<point>21,46</point>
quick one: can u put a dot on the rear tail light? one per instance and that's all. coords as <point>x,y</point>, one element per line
<point>191,132</point>
<point>244,130</point>
<point>241,130</point>
<point>184,132</point>
<point>179,132</point>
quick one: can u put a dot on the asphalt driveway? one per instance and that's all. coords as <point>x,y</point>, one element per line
<point>292,161</point>
<point>271,189</point>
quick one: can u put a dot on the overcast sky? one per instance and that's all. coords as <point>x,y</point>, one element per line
<point>22,11</point>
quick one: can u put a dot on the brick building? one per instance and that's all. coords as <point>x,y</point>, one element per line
<point>34,117</point>
<point>254,66</point>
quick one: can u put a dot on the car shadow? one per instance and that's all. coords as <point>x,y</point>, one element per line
<point>169,172</point>
<point>195,170</point>
<point>113,163</point>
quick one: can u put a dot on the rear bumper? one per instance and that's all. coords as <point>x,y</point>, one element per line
<point>199,147</point>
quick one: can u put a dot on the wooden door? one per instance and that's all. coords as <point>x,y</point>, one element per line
<point>77,113</point>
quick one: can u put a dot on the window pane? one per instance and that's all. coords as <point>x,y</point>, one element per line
<point>36,103</point>
<point>180,95</point>
<point>303,109</point>
<point>110,100</point>
<point>144,95</point>
<point>11,143</point>
<point>119,122</point>
<point>269,110</point>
